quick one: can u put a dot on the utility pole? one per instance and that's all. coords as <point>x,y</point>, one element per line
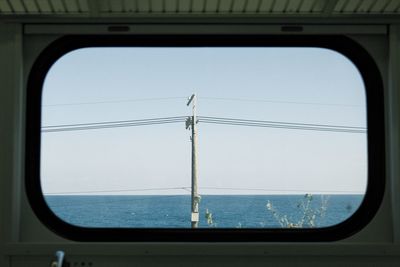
<point>192,122</point>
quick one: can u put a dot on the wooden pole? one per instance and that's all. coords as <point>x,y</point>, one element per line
<point>195,195</point>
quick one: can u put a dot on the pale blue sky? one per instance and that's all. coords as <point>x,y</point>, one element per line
<point>325,86</point>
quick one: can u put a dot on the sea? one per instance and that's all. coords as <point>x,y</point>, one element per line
<point>221,211</point>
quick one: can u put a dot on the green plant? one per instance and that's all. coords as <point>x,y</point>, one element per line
<point>309,215</point>
<point>209,219</point>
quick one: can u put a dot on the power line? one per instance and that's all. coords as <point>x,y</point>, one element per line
<point>114,122</point>
<point>117,190</point>
<point>203,98</point>
<point>278,190</point>
<point>282,125</point>
<point>114,101</point>
<point>204,119</point>
<point>186,188</point>
<point>277,101</point>
<point>280,122</point>
<point>108,201</point>
<point>108,126</point>
<point>111,124</point>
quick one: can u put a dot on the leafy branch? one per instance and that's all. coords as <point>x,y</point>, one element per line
<point>309,214</point>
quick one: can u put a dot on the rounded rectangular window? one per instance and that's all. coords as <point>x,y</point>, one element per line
<point>205,138</point>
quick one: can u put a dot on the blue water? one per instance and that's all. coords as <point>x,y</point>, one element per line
<point>231,211</point>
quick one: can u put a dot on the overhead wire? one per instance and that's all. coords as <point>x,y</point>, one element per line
<point>203,98</point>
<point>204,119</point>
<point>118,190</point>
<point>80,203</point>
<point>276,101</point>
<point>111,124</point>
<point>114,101</point>
<point>187,188</point>
<point>283,125</point>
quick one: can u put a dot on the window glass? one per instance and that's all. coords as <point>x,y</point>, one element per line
<point>274,137</point>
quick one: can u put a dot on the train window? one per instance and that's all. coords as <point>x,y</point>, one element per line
<point>204,138</point>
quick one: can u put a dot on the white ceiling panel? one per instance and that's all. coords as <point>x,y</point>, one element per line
<point>71,6</point>
<point>365,6</point>
<point>266,6</point>
<point>17,6</point>
<point>92,8</point>
<point>183,6</point>
<point>116,6</point>
<point>143,6</point>
<point>293,6</point>
<point>5,7</point>
<point>239,6</point>
<point>83,6</point>
<point>198,6</point>
<point>318,6</point>
<point>129,6</point>
<point>225,6</point>
<point>352,5</point>
<point>307,6</point>
<point>379,6</point>
<point>393,6</point>
<point>279,6</point>
<point>44,6</point>
<point>157,6</point>
<point>31,6</point>
<point>58,6</point>
<point>211,6</point>
<point>252,6</point>
<point>171,6</point>
<point>340,5</point>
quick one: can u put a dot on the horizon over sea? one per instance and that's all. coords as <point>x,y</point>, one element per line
<point>227,211</point>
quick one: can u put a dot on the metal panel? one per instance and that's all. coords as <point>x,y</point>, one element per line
<point>392,6</point>
<point>252,6</point>
<point>30,6</point>
<point>211,6</point>
<point>293,6</point>
<point>279,6</point>
<point>5,7</point>
<point>318,6</point>
<point>58,6</point>
<point>352,5</point>
<point>83,6</point>
<point>266,5</point>
<point>238,6</point>
<point>165,28</point>
<point>71,6</point>
<point>366,6</point>
<point>115,6</point>
<point>95,8</point>
<point>157,5</point>
<point>143,5</point>
<point>306,6</point>
<point>183,6</point>
<point>44,6</point>
<point>17,6</point>
<point>197,6</point>
<point>340,5</point>
<point>171,6</point>
<point>102,6</point>
<point>130,5</point>
<point>225,6</point>
<point>379,6</point>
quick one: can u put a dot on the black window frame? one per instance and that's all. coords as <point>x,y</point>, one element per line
<point>344,45</point>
